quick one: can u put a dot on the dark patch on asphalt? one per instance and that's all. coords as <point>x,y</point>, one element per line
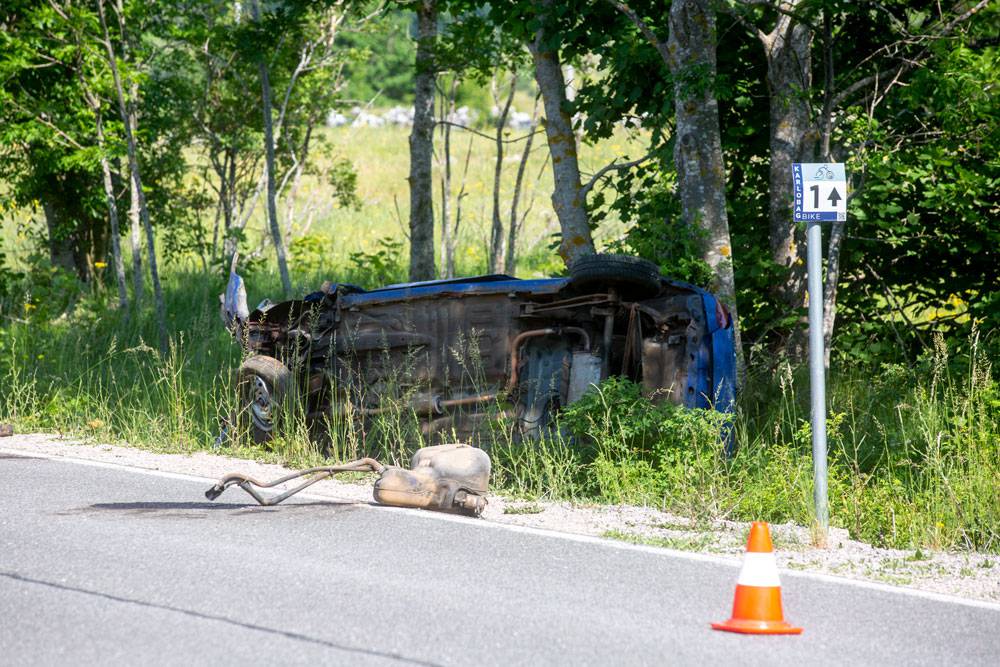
<point>288,634</point>
<point>15,457</point>
<point>202,510</point>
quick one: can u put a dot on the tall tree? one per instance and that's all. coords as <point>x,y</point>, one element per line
<point>422,146</point>
<point>46,143</point>
<point>788,51</point>
<point>689,54</point>
<point>269,164</point>
<point>129,121</point>
<point>568,196</point>
<point>135,212</point>
<point>496,252</point>
<point>109,193</point>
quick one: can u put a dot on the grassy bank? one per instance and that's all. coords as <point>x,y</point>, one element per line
<point>914,458</point>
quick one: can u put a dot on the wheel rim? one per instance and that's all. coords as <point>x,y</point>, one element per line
<point>261,405</point>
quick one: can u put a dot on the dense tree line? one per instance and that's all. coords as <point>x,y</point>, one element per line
<point>733,93</point>
<point>102,104</point>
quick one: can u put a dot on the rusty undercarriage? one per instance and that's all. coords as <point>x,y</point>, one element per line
<point>455,352</point>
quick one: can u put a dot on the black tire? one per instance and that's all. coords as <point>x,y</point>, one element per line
<point>631,276</point>
<point>263,384</point>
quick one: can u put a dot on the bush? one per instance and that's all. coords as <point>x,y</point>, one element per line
<point>661,454</point>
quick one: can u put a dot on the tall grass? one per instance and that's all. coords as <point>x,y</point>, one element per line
<point>94,372</point>
<point>914,457</point>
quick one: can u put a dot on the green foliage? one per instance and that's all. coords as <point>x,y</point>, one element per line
<point>645,452</point>
<point>380,266</point>
<point>8,278</point>
<point>646,198</point>
<point>343,182</point>
<point>56,82</point>
<point>926,218</point>
<point>913,453</point>
<point>381,64</point>
<point>308,253</point>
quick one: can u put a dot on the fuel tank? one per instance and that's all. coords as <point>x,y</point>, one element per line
<point>452,477</point>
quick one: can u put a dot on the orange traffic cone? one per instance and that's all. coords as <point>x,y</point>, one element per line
<point>757,606</point>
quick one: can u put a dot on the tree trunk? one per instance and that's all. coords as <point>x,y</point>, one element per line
<point>109,193</point>
<point>830,288</point>
<point>422,147</point>
<point>135,241</point>
<point>568,198</point>
<point>135,224</point>
<point>789,78</point>
<point>128,119</point>
<point>272,188</point>
<point>510,260</point>
<point>701,174</point>
<point>447,109</point>
<point>496,229</point>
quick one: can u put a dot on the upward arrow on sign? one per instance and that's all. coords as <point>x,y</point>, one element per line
<point>834,197</point>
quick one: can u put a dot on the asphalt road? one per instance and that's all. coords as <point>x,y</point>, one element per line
<point>102,565</point>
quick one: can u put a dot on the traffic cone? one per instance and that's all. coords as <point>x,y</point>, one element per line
<point>757,605</point>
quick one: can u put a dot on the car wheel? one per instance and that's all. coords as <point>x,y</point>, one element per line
<point>263,384</point>
<point>631,276</point>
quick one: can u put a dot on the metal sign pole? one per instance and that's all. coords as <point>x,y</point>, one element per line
<point>817,375</point>
<point>820,195</point>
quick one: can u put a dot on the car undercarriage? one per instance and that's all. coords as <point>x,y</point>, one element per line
<point>455,353</point>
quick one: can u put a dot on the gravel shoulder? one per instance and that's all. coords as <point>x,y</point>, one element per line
<point>968,575</point>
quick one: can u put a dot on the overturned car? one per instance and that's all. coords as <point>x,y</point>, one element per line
<point>455,352</point>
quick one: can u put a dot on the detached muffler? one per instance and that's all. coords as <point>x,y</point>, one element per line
<point>451,478</point>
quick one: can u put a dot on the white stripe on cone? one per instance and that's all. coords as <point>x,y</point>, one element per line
<point>759,569</point>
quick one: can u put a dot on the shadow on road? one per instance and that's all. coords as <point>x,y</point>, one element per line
<point>201,510</point>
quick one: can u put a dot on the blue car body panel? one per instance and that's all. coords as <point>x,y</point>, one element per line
<point>495,284</point>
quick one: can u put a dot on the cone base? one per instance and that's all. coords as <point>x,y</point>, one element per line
<point>749,627</point>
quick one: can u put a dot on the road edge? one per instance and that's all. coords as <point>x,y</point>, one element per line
<point>542,532</point>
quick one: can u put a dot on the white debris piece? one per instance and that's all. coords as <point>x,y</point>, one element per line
<point>365,119</point>
<point>634,122</point>
<point>401,116</point>
<point>335,119</point>
<point>463,117</point>
<point>518,120</point>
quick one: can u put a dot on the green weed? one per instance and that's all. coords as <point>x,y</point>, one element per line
<point>526,508</point>
<point>700,542</point>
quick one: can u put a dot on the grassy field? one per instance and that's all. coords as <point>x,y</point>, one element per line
<point>914,454</point>
<point>381,158</point>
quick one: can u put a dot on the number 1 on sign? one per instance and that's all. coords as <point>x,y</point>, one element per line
<point>815,190</point>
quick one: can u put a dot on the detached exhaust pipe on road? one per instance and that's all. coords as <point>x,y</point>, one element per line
<point>450,478</point>
<point>250,485</point>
